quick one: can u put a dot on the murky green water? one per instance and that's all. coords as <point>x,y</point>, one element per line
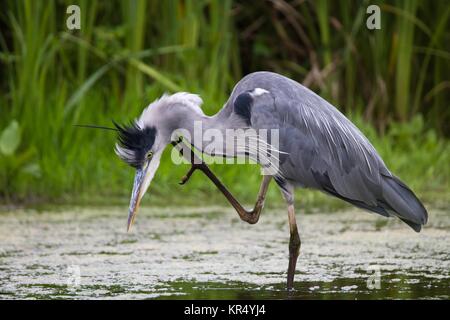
<point>209,253</point>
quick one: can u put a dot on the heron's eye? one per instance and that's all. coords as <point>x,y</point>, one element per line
<point>149,155</point>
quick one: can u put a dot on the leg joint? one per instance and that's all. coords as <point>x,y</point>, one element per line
<point>251,217</point>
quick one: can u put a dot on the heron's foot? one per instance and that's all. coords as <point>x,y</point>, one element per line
<point>188,175</point>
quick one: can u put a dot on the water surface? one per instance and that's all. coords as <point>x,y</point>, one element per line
<point>209,253</point>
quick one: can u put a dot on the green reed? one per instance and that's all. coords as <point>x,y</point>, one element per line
<point>128,53</point>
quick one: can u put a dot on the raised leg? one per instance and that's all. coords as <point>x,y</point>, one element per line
<point>252,216</point>
<point>294,246</point>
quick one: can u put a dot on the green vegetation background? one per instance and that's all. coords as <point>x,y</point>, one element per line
<point>394,83</point>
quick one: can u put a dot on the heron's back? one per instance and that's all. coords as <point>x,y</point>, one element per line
<point>325,151</point>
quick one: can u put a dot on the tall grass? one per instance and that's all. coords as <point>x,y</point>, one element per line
<point>388,74</point>
<point>127,53</point>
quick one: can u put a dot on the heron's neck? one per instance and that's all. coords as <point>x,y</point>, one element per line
<point>201,130</point>
<point>224,134</point>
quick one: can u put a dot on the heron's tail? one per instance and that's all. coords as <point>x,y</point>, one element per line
<point>399,200</point>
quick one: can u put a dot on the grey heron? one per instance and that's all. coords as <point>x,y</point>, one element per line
<point>318,148</point>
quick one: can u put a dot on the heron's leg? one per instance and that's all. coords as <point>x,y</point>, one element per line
<point>252,216</point>
<point>259,205</point>
<point>294,246</point>
<point>294,240</point>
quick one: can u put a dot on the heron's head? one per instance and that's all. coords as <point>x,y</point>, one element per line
<point>141,143</point>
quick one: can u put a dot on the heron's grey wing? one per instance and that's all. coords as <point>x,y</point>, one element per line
<point>325,151</point>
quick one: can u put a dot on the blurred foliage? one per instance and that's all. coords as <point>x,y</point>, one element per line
<point>392,82</point>
<point>16,166</point>
<point>386,75</point>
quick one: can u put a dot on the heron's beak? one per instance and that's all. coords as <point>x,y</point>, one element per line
<point>142,181</point>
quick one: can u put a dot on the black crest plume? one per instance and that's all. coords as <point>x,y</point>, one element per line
<point>135,142</point>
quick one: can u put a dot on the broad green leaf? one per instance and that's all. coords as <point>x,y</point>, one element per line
<point>32,169</point>
<point>10,138</point>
